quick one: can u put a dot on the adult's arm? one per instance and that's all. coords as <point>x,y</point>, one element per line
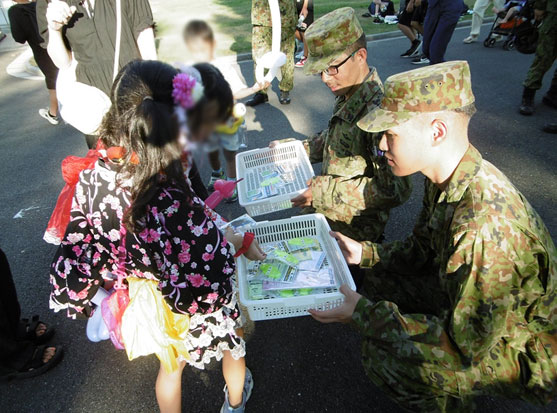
<point>51,18</point>
<point>142,22</point>
<point>146,44</point>
<point>482,277</point>
<point>350,195</point>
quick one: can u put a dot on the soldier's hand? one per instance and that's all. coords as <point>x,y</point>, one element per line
<point>305,199</point>
<point>352,250</point>
<point>58,14</point>
<point>539,14</point>
<point>342,314</point>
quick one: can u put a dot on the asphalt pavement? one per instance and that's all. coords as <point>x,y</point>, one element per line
<point>298,364</point>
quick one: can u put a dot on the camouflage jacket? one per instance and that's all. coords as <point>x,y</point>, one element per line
<point>497,266</point>
<point>547,5</point>
<point>356,189</point>
<point>261,13</point>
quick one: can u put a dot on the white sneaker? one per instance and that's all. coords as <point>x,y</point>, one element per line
<point>470,39</point>
<point>420,60</point>
<point>45,113</point>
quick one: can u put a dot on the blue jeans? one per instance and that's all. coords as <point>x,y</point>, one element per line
<point>440,21</point>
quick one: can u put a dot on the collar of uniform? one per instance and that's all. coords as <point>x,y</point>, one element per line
<point>466,170</point>
<point>349,110</point>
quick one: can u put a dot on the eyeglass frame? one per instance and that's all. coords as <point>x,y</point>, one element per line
<point>326,71</point>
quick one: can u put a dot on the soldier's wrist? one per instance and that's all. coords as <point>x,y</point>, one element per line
<point>368,255</point>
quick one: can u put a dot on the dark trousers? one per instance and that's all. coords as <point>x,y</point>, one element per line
<point>23,23</point>
<point>440,21</point>
<point>197,184</point>
<point>13,353</point>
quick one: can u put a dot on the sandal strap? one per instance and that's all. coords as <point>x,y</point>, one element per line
<point>27,328</point>
<point>36,359</point>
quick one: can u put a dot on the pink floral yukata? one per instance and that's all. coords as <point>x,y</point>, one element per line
<point>180,247</point>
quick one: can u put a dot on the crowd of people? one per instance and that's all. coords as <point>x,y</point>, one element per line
<point>137,220</point>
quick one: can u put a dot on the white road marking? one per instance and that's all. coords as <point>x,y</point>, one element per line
<point>22,212</point>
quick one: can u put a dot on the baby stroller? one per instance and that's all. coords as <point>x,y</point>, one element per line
<point>519,29</point>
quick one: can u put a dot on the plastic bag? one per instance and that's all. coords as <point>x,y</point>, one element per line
<point>113,309</point>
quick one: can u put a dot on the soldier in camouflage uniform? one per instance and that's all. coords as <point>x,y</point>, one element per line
<point>356,189</point>
<point>546,53</point>
<point>467,304</point>
<point>261,41</point>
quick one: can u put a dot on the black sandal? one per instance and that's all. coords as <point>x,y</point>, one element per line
<point>36,366</point>
<point>27,330</point>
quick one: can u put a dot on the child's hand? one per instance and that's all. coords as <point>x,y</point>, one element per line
<point>58,14</point>
<point>254,252</point>
<point>257,86</point>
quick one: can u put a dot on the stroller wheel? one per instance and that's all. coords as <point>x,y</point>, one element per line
<point>490,42</point>
<point>509,44</point>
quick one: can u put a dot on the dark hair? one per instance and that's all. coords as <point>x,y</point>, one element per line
<point>216,89</point>
<point>142,120</point>
<point>468,110</point>
<point>361,43</point>
<point>198,29</point>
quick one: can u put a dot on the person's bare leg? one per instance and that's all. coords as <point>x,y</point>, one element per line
<point>230,158</point>
<point>214,160</point>
<point>168,389</point>
<point>418,27</point>
<point>407,31</point>
<point>298,35</point>
<point>234,372</point>
<point>53,105</point>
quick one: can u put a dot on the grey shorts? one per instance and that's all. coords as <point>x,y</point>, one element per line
<point>230,142</point>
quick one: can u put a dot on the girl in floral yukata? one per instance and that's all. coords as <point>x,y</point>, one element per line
<point>172,238</point>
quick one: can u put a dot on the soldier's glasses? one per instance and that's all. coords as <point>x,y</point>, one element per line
<point>333,70</point>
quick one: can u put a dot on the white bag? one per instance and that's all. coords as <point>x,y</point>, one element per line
<point>81,105</point>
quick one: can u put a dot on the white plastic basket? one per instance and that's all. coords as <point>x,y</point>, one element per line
<point>250,164</point>
<point>314,226</point>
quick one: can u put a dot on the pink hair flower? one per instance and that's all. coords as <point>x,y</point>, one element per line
<point>186,90</point>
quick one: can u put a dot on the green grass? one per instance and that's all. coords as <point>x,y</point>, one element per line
<point>237,23</point>
<point>231,20</point>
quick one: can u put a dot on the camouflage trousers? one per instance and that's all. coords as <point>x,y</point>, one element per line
<point>546,53</point>
<point>261,43</point>
<point>429,387</point>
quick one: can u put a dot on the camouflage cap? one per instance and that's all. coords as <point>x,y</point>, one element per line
<point>444,86</point>
<point>329,36</point>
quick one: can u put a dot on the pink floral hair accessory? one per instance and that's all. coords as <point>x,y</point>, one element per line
<point>187,90</point>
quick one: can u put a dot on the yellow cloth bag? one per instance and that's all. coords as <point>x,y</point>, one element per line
<point>149,326</point>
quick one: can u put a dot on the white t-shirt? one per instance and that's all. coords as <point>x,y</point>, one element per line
<point>231,72</point>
